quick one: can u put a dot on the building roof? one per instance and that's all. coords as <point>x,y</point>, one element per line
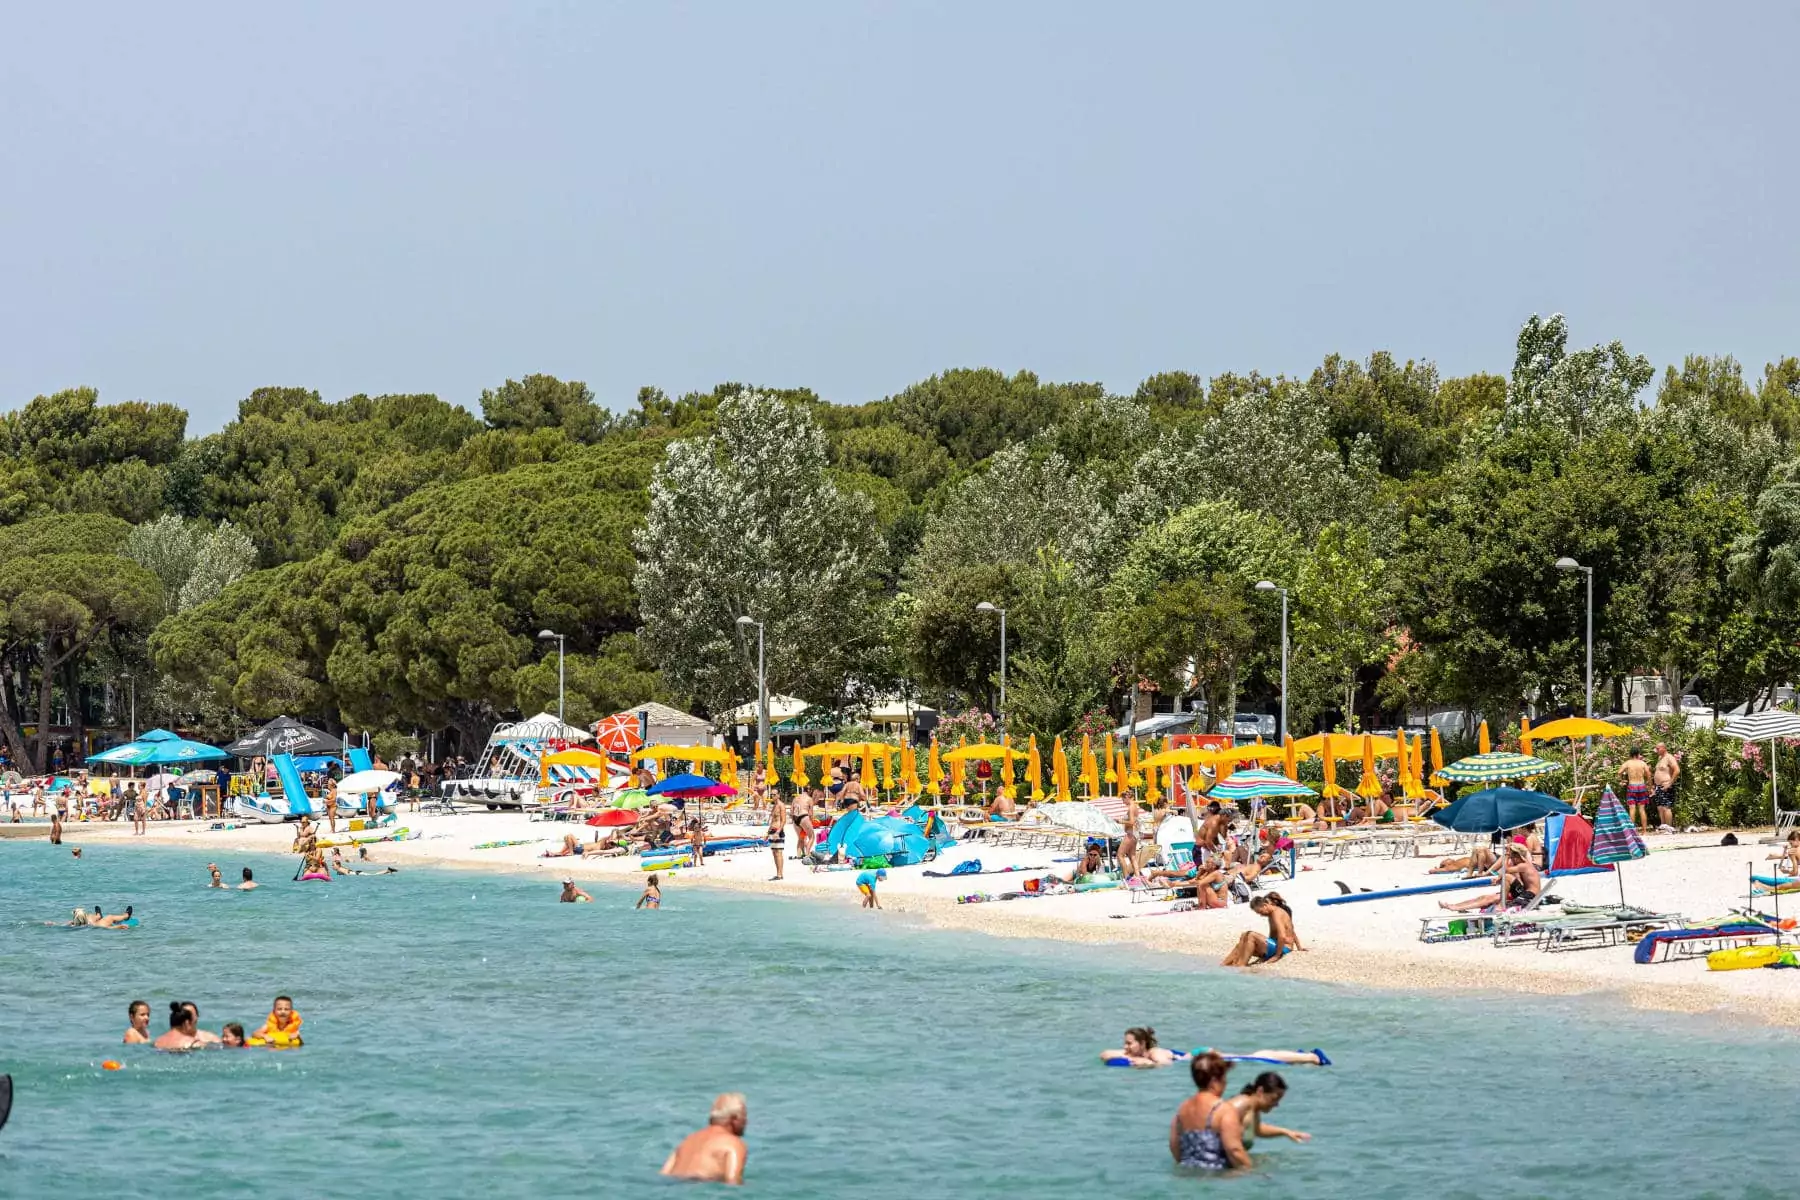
<point>669,718</point>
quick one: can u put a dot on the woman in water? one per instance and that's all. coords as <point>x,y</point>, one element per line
<point>1207,1133</point>
<point>1281,941</point>
<point>652,897</point>
<point>181,1034</point>
<point>1140,1049</point>
<point>1260,1098</point>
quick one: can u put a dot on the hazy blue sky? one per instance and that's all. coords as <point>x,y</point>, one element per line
<point>387,196</point>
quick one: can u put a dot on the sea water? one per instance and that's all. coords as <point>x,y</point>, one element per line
<point>467,1035</point>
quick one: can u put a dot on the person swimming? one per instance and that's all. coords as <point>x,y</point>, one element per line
<point>249,883</point>
<point>218,881</point>
<point>1260,1097</point>
<point>572,894</point>
<point>1140,1050</point>
<point>232,1036</point>
<point>282,1028</point>
<point>181,1031</point>
<point>137,1029</point>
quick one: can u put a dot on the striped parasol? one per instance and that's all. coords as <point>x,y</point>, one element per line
<point>1615,839</point>
<point>1497,765</point>
<point>1257,785</point>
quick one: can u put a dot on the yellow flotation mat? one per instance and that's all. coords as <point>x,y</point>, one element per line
<point>1740,958</point>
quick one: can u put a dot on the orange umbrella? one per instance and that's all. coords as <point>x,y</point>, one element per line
<point>1487,745</point>
<point>1292,760</point>
<point>1524,735</point>
<point>1437,757</point>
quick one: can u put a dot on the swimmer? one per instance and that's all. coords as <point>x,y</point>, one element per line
<point>137,1031</point>
<point>218,881</point>
<point>201,1036</point>
<point>572,894</point>
<point>652,897</point>
<point>181,1032</point>
<point>282,1026</point>
<point>76,852</point>
<point>232,1036</point>
<point>717,1153</point>
<point>101,921</point>
<point>249,883</point>
<point>1259,1098</point>
<point>1140,1049</point>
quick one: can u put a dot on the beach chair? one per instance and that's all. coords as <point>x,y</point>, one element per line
<point>1180,854</point>
<point>1467,926</point>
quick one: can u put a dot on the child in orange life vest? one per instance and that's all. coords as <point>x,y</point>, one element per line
<point>282,1028</point>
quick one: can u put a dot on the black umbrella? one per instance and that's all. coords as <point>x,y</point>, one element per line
<point>284,735</point>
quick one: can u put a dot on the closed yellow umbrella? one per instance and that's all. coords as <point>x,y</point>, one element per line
<point>934,770</point>
<point>1090,769</point>
<point>868,768</point>
<point>1152,786</point>
<point>1134,757</point>
<point>1292,760</point>
<point>1112,767</point>
<point>1370,785</point>
<point>797,776</point>
<point>957,787</point>
<point>1524,735</point>
<point>1330,761</point>
<point>770,770</point>
<point>1437,758</point>
<point>886,773</point>
<point>1486,744</point>
<point>1034,770</point>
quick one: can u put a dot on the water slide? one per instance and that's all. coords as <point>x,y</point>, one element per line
<point>291,787</point>
<point>359,760</point>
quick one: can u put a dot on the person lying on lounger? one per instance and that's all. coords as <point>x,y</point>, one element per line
<point>1479,861</point>
<point>1523,883</point>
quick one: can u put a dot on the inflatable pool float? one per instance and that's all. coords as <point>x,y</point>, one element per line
<point>1182,1056</point>
<point>1739,958</point>
<point>315,875</point>
<point>277,1043</point>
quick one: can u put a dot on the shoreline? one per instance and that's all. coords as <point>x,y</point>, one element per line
<point>1372,945</point>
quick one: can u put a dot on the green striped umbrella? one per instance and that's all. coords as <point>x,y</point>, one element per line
<point>1497,765</point>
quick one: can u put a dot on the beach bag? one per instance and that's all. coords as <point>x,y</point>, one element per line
<point>969,866</point>
<point>1240,891</point>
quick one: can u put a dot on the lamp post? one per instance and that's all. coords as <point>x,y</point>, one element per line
<point>762,686</point>
<point>1569,564</point>
<point>131,682</point>
<point>1266,586</point>
<point>545,635</point>
<point>984,606</point>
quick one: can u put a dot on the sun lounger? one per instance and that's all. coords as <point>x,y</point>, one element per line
<point>1667,945</point>
<point>1467,926</point>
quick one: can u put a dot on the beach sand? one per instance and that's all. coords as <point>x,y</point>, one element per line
<point>1368,944</point>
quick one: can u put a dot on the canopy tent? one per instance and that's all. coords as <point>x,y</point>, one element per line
<point>553,729</point>
<point>780,709</point>
<point>814,719</point>
<point>285,735</point>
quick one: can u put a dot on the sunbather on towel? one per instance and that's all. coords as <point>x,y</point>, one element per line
<point>1479,861</point>
<point>569,846</point>
<point>1523,883</point>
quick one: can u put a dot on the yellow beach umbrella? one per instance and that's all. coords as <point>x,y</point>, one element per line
<point>1290,760</point>
<point>1134,756</point>
<point>1330,761</point>
<point>886,772</point>
<point>1524,735</point>
<point>1112,767</point>
<point>1486,743</point>
<point>1090,767</point>
<point>934,769</point>
<point>867,776</point>
<point>1437,758</point>
<point>957,787</point>
<point>1370,785</point>
<point>1034,770</point>
<point>1577,727</point>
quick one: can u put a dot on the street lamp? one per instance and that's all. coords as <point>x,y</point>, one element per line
<point>762,685</point>
<point>984,606</point>
<point>545,635</point>
<point>1265,586</point>
<point>1569,564</point>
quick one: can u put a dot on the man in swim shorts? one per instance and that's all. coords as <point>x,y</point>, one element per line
<point>1636,773</point>
<point>865,883</point>
<point>1667,771</point>
<point>717,1153</point>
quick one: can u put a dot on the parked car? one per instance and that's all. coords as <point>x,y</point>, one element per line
<point>1250,726</point>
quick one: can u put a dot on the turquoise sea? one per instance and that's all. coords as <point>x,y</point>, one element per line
<point>469,1036</point>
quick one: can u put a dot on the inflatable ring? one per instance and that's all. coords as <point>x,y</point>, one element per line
<point>315,875</point>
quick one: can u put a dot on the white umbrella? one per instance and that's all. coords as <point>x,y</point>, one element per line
<point>1082,817</point>
<point>359,783</point>
<point>1766,726</point>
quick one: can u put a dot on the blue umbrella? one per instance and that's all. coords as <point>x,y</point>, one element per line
<point>685,782</point>
<point>1499,808</point>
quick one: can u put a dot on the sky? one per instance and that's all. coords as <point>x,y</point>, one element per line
<point>198,200</point>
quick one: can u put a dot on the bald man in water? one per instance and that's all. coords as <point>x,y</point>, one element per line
<point>715,1154</point>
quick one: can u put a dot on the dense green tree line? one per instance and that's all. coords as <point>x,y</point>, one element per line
<point>386,562</point>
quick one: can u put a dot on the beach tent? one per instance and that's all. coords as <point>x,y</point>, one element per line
<point>670,726</point>
<point>160,753</point>
<point>900,841</point>
<point>284,735</point>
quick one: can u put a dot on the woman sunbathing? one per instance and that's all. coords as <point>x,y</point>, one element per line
<point>1253,947</point>
<point>1479,861</point>
<point>1523,883</point>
